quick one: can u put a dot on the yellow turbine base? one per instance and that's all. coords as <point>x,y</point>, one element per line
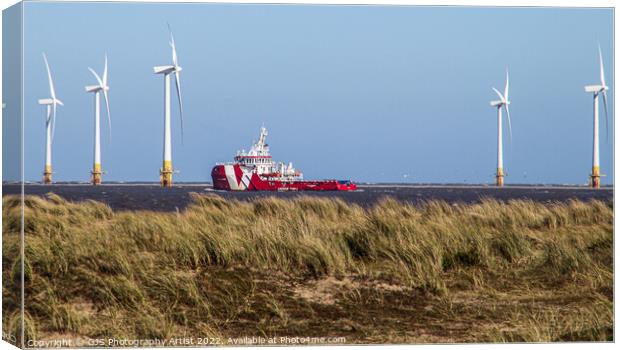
<point>95,177</point>
<point>595,181</point>
<point>47,175</point>
<point>165,174</point>
<point>499,177</point>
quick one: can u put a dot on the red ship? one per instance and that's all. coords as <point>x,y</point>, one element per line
<point>255,170</point>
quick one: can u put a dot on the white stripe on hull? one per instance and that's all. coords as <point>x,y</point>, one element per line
<point>229,170</point>
<point>245,179</point>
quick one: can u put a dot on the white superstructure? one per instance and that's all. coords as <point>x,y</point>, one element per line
<point>259,160</point>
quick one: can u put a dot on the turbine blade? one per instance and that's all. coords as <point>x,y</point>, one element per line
<point>107,106</point>
<point>53,121</point>
<point>105,72</point>
<point>600,57</point>
<point>178,85</point>
<point>499,94</point>
<point>97,77</point>
<point>606,117</point>
<point>509,123</point>
<point>506,88</point>
<point>174,49</point>
<point>105,93</point>
<point>49,77</point>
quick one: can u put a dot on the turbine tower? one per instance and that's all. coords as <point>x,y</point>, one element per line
<point>102,86</point>
<point>50,123</point>
<point>596,90</point>
<point>502,102</point>
<point>165,173</point>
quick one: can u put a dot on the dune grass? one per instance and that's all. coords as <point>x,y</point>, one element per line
<point>393,273</point>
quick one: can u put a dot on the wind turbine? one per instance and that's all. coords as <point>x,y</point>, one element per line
<point>97,89</point>
<point>502,102</point>
<point>50,123</point>
<point>165,173</point>
<point>596,90</point>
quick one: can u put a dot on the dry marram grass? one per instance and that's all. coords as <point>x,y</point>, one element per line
<point>393,273</point>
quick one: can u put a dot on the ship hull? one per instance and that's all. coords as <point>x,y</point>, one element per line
<point>232,177</point>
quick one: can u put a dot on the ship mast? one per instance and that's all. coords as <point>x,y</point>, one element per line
<point>262,138</point>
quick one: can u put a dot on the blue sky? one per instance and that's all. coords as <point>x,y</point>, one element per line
<point>368,93</point>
